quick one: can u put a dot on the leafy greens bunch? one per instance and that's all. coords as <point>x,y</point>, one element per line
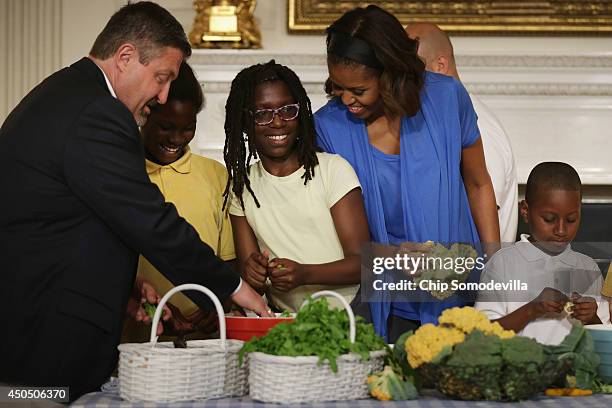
<point>578,350</point>
<point>317,331</point>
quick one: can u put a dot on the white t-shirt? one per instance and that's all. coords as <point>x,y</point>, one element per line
<point>501,167</point>
<point>568,272</point>
<point>294,220</point>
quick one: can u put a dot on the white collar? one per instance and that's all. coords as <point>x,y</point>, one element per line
<point>110,87</point>
<point>532,253</point>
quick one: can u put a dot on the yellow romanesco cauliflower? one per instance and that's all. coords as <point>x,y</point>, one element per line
<point>428,341</point>
<point>468,319</point>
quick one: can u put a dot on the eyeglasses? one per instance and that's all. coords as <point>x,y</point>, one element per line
<point>264,117</point>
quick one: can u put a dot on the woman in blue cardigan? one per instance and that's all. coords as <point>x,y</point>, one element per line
<point>413,140</point>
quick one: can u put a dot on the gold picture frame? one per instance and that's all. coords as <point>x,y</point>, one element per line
<point>472,17</point>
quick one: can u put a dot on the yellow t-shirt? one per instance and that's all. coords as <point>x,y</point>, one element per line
<point>606,290</point>
<point>295,222</point>
<point>195,185</point>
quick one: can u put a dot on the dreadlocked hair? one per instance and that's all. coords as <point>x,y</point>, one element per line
<point>239,146</point>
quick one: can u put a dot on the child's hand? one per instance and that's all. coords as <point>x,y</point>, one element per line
<point>255,269</point>
<point>178,323</point>
<point>285,274</point>
<point>548,301</point>
<point>203,321</point>
<point>585,309</point>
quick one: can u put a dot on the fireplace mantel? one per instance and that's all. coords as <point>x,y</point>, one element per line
<point>554,107</point>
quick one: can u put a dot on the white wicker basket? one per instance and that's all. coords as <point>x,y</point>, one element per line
<point>292,380</point>
<point>158,372</point>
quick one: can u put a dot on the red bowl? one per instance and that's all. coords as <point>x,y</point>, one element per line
<point>245,328</point>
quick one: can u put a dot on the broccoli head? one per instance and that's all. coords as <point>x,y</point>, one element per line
<point>472,370</point>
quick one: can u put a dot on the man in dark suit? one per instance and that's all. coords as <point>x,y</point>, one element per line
<point>77,208</point>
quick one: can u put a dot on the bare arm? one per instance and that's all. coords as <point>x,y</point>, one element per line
<point>518,319</point>
<point>549,302</point>
<point>480,195</point>
<point>251,263</point>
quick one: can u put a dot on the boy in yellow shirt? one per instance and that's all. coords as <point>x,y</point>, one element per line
<point>194,184</point>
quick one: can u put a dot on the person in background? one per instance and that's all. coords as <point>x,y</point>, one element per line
<point>554,274</point>
<point>297,215</point>
<point>78,207</point>
<point>412,138</point>
<point>606,291</point>
<point>436,50</point>
<point>195,185</point>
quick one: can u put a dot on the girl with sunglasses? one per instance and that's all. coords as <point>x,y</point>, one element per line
<point>297,215</point>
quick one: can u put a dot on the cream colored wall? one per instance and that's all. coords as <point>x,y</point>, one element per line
<point>79,22</point>
<point>556,88</point>
<point>82,20</point>
<point>29,47</point>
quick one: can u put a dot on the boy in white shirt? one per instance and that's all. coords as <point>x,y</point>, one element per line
<point>562,285</point>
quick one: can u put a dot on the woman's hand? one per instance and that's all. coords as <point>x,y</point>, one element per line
<point>414,250</point>
<point>285,274</point>
<point>255,269</point>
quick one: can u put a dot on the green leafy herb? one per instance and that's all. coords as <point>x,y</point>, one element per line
<point>149,309</point>
<point>317,331</point>
<point>602,388</point>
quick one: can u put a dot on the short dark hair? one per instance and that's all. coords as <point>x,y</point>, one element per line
<point>238,120</point>
<point>186,88</point>
<point>552,175</point>
<point>147,25</point>
<point>402,75</point>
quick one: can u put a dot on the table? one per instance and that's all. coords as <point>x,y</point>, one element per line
<point>112,400</point>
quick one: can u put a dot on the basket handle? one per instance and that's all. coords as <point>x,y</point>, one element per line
<point>345,304</point>
<point>180,288</point>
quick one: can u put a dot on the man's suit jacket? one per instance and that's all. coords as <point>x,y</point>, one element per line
<point>77,208</point>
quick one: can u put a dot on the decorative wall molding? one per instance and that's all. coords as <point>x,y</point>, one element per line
<point>558,89</point>
<point>250,57</point>
<point>228,57</point>
<point>224,87</point>
<point>555,107</point>
<point>30,45</point>
<point>476,88</point>
<point>536,61</point>
<point>556,75</point>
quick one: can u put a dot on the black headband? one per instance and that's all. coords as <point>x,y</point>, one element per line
<point>345,46</point>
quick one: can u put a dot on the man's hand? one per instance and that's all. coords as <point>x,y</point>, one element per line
<point>255,269</point>
<point>285,274</point>
<point>549,301</point>
<point>251,300</point>
<point>143,292</point>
